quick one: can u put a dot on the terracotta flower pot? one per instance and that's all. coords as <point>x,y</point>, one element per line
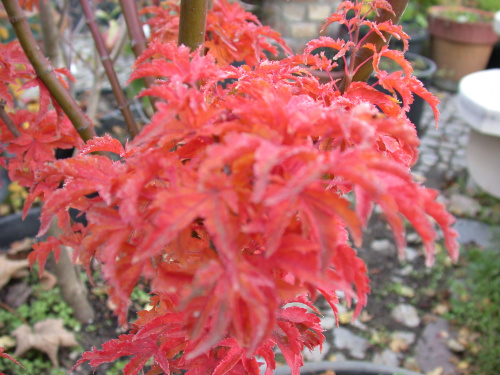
<point>461,42</point>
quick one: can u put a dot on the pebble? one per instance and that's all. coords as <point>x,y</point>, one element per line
<point>406,270</point>
<point>407,337</point>
<point>406,315</point>
<point>328,322</point>
<point>411,254</point>
<point>354,344</point>
<point>387,357</point>
<point>383,246</point>
<point>455,346</point>
<point>413,238</point>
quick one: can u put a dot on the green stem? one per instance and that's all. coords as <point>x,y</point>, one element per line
<point>192,24</point>
<point>45,71</point>
<point>109,69</point>
<point>363,71</point>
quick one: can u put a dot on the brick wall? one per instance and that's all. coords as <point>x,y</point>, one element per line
<point>298,21</point>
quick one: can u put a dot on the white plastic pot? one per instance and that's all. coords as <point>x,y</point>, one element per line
<point>479,104</point>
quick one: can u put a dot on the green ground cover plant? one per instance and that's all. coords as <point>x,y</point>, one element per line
<point>476,305</point>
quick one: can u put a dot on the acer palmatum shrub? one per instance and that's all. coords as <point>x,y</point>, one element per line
<point>240,201</point>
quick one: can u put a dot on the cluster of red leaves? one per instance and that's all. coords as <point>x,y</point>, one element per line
<point>232,34</point>
<point>237,201</point>
<point>41,132</point>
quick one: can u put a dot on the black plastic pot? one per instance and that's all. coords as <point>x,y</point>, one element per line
<point>494,62</point>
<point>425,75</point>
<point>5,181</point>
<point>346,368</point>
<point>419,38</point>
<point>14,228</point>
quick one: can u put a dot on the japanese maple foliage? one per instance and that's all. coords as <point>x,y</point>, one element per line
<point>239,201</point>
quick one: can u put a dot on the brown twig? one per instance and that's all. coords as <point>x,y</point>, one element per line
<point>49,31</point>
<point>7,120</point>
<point>14,312</point>
<point>99,74</point>
<point>109,69</point>
<point>45,71</point>
<point>136,35</point>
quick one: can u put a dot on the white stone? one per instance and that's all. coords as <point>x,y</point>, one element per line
<point>411,254</point>
<point>328,322</point>
<point>408,337</point>
<point>382,246</point>
<point>406,270</point>
<point>406,315</point>
<point>387,357</point>
<point>356,345</point>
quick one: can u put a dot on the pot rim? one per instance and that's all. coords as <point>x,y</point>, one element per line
<point>437,11</point>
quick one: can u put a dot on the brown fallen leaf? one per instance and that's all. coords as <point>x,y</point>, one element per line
<point>46,336</point>
<point>11,268</point>
<point>364,317</point>
<point>48,280</point>
<point>398,345</point>
<point>22,246</point>
<point>436,371</point>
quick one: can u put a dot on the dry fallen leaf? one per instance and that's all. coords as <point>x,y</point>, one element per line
<point>48,280</point>
<point>21,246</point>
<point>346,318</point>
<point>436,371</point>
<point>11,268</point>
<point>365,317</point>
<point>7,342</point>
<point>398,345</point>
<point>46,336</point>
<point>441,309</point>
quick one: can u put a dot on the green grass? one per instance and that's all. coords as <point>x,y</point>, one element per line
<point>476,305</point>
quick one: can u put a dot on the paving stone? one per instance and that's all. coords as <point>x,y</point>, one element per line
<point>406,315</point>
<point>462,205</point>
<point>345,339</point>
<point>474,231</point>
<point>432,350</point>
